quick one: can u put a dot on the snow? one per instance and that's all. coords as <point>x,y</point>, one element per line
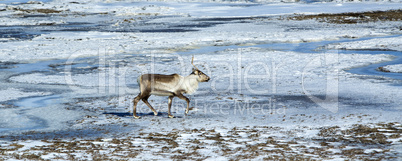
<point>392,43</point>
<point>280,88</point>
<point>13,93</point>
<point>31,143</point>
<point>397,68</point>
<point>64,45</point>
<point>210,9</point>
<point>68,45</point>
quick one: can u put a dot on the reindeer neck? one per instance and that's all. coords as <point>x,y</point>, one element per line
<point>191,83</point>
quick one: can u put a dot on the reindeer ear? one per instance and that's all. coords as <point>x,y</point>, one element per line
<point>195,71</point>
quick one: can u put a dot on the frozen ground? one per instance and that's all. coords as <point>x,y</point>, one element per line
<point>282,87</point>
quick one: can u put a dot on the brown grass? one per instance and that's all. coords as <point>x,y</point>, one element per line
<point>251,143</point>
<point>353,17</point>
<point>45,10</point>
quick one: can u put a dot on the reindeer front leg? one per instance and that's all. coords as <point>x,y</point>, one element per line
<point>170,105</point>
<point>181,96</point>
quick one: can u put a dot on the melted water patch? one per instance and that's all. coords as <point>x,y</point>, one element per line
<point>22,117</point>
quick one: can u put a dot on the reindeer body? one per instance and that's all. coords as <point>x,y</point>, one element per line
<point>167,85</point>
<point>173,85</point>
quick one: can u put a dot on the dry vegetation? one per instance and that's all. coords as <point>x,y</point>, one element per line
<point>353,17</point>
<point>372,141</point>
<point>41,10</point>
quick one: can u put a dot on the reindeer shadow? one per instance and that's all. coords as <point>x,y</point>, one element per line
<point>128,114</point>
<point>120,114</point>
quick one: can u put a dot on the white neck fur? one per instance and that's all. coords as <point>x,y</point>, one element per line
<point>190,84</point>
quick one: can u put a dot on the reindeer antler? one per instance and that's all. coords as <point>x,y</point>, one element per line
<point>192,60</point>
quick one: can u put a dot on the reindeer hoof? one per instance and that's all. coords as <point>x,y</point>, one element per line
<point>188,110</point>
<point>137,117</point>
<point>171,116</point>
<point>155,113</point>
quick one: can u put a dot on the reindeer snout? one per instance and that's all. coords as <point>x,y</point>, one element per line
<point>208,79</point>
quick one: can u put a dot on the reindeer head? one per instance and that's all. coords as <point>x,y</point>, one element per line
<point>202,77</point>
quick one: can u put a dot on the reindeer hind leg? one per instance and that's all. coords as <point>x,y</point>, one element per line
<point>135,102</point>
<point>145,100</point>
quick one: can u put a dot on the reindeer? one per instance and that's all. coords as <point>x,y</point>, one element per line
<point>173,85</point>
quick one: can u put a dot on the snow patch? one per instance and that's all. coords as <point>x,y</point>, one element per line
<point>13,93</point>
<point>397,68</point>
